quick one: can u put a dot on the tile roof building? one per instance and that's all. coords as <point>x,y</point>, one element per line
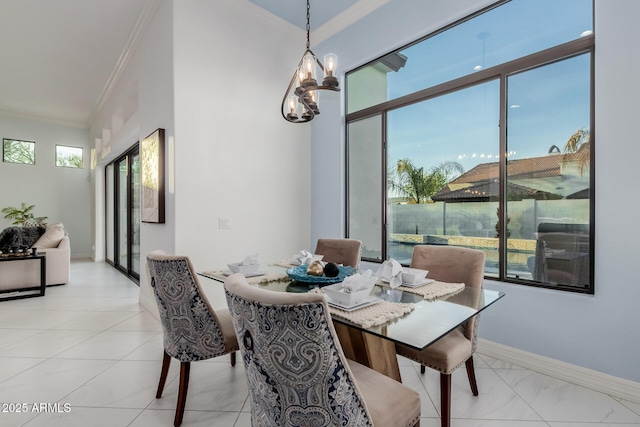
<point>550,177</point>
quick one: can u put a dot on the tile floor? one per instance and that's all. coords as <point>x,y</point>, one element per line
<point>89,347</point>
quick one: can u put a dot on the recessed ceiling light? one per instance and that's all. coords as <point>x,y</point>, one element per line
<point>586,33</point>
<point>514,106</point>
<point>477,68</point>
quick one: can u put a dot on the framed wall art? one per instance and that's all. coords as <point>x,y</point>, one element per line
<point>152,177</point>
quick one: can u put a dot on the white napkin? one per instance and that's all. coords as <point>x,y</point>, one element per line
<point>251,259</point>
<point>303,257</point>
<point>391,271</point>
<point>358,282</point>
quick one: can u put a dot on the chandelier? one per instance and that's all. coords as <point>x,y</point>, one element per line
<point>300,102</point>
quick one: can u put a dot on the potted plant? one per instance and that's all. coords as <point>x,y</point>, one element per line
<point>23,216</point>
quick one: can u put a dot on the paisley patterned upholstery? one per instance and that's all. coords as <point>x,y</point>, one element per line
<point>297,374</point>
<point>192,330</point>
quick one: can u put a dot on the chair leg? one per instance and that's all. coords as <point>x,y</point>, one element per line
<point>182,392</point>
<point>166,361</point>
<point>445,400</point>
<point>422,369</point>
<point>471,373</point>
<point>233,359</point>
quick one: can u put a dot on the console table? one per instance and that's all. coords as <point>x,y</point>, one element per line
<point>29,291</point>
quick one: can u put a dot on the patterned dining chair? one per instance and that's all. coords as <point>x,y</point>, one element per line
<point>296,369</point>
<point>340,251</point>
<point>192,330</point>
<point>454,265</point>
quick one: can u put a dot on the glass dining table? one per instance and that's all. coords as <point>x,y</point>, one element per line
<point>374,346</point>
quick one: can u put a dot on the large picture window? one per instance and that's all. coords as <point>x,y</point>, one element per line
<point>480,136</point>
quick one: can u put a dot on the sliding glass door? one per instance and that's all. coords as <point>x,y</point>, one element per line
<point>122,214</point>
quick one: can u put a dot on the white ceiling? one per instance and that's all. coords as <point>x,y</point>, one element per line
<point>59,57</point>
<point>295,11</point>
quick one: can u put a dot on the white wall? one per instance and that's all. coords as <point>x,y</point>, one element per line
<point>141,101</point>
<point>596,332</point>
<point>236,157</point>
<point>61,194</point>
<point>212,74</point>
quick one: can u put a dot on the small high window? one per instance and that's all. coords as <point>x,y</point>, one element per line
<point>16,151</point>
<point>69,157</point>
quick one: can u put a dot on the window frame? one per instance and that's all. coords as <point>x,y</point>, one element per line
<point>501,72</point>
<point>68,146</point>
<point>4,160</point>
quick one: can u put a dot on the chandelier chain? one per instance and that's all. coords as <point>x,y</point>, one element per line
<point>308,25</point>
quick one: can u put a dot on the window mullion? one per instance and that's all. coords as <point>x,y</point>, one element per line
<point>502,180</point>
<point>385,180</point>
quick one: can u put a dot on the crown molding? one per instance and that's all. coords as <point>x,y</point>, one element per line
<point>346,18</point>
<point>42,119</point>
<point>148,10</point>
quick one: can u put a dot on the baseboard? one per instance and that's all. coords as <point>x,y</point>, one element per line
<point>149,305</point>
<point>594,380</point>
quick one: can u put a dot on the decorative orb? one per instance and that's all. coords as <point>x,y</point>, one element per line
<point>331,269</point>
<point>315,268</point>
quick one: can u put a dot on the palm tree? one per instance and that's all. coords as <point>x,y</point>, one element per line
<point>577,149</point>
<point>418,185</point>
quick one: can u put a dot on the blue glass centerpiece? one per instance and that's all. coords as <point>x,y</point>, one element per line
<point>299,274</point>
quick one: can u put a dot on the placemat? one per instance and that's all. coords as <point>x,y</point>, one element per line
<point>284,263</point>
<point>373,315</point>
<point>431,290</point>
<point>265,278</point>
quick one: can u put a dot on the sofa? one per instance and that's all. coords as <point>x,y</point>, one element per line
<point>53,241</point>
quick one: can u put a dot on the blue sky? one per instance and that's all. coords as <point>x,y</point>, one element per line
<point>546,105</point>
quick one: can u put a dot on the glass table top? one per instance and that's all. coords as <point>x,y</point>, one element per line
<point>429,321</point>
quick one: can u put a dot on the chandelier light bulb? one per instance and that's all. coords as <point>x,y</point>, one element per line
<point>309,70</point>
<point>293,108</point>
<point>330,67</point>
<point>330,62</point>
<point>315,99</point>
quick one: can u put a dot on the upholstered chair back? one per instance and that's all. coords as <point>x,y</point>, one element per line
<point>340,251</point>
<point>297,372</point>
<point>453,264</point>
<point>190,326</point>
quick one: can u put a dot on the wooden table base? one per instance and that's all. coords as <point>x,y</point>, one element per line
<point>370,350</point>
